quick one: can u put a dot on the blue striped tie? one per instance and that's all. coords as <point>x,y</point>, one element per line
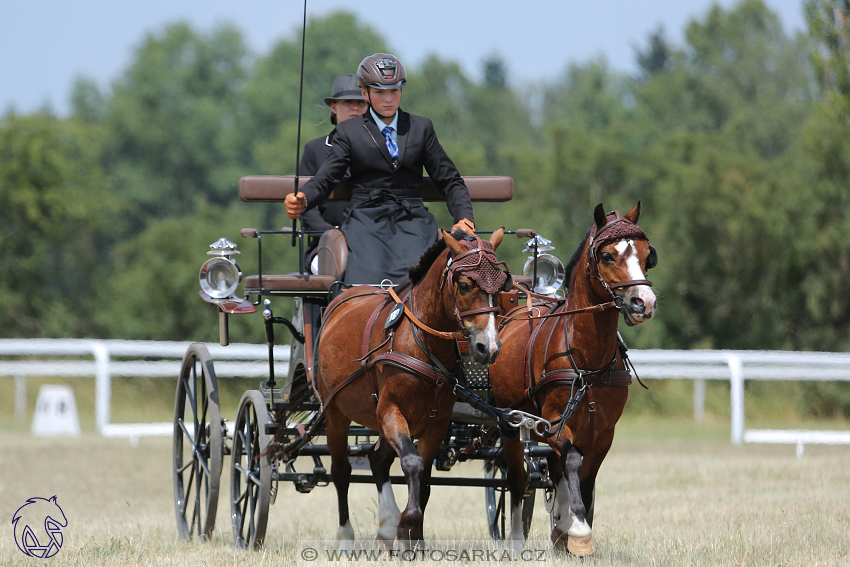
<point>391,145</point>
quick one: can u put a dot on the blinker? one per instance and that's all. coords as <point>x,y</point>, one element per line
<point>652,258</point>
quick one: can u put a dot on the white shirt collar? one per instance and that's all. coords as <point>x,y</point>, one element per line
<point>381,125</point>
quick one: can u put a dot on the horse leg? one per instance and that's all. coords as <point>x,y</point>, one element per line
<point>381,457</point>
<point>590,467</point>
<point>512,450</point>
<point>337,436</point>
<point>571,528</point>
<point>410,520</point>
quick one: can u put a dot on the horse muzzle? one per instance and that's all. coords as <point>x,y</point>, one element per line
<point>638,305</point>
<point>484,345</point>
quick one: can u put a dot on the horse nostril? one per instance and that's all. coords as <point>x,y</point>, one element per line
<point>637,304</point>
<point>481,348</point>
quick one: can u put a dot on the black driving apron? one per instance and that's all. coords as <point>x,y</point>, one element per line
<point>387,231</point>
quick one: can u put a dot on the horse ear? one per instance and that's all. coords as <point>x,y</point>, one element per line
<point>496,237</point>
<point>599,215</point>
<point>634,214</point>
<point>455,246</point>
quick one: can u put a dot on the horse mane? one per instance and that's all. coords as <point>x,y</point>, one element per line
<point>574,259</point>
<point>417,272</point>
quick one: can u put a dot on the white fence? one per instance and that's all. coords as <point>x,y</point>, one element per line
<point>151,359</point>
<point>246,360</point>
<point>739,365</point>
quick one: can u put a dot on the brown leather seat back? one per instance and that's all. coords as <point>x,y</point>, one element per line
<point>332,253</point>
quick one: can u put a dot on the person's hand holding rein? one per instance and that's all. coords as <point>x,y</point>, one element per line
<point>465,225</point>
<point>295,204</point>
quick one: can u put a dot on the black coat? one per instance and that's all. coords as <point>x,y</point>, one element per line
<point>326,215</point>
<point>359,146</point>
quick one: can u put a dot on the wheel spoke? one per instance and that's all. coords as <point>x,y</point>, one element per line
<point>204,465</point>
<point>252,526</point>
<point>244,509</point>
<point>189,486</point>
<point>184,467</point>
<point>190,394</point>
<point>185,430</point>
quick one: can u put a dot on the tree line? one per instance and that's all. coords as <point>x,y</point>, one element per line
<point>736,143</point>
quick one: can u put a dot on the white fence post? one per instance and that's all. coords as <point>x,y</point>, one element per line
<point>699,399</point>
<point>103,385</point>
<point>736,378</point>
<point>20,396</point>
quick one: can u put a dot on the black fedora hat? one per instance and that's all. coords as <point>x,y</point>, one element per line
<point>345,88</point>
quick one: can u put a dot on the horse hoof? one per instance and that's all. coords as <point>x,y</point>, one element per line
<point>580,546</point>
<point>559,539</point>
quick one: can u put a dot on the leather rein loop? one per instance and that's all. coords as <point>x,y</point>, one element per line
<point>423,326</point>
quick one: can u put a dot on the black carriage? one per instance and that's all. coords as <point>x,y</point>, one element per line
<point>202,438</point>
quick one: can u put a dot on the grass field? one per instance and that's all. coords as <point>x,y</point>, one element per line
<point>670,493</point>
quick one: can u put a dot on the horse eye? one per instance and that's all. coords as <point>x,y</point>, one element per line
<point>464,287</point>
<point>607,257</point>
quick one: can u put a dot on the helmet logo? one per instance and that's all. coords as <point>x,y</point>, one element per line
<point>386,66</point>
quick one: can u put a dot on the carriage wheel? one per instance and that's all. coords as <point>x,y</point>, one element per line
<point>496,498</point>
<point>250,484</point>
<point>198,445</point>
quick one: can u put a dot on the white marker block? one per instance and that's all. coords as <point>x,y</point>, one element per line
<point>56,412</point>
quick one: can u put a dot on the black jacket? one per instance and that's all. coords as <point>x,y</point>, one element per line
<point>360,147</point>
<point>326,215</point>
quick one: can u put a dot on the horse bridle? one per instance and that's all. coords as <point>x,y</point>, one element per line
<point>596,242</point>
<point>452,265</point>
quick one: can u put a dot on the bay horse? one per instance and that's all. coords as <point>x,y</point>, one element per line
<point>572,363</point>
<point>395,377</point>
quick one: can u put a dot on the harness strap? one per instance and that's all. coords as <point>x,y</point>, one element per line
<point>629,283</point>
<point>566,376</point>
<point>423,326</point>
<point>411,365</point>
<point>480,310</point>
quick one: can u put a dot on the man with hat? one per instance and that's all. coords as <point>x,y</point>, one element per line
<point>387,225</point>
<point>346,102</point>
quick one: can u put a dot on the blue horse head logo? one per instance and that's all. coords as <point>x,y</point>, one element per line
<point>38,527</point>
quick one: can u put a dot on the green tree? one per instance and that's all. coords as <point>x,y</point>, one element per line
<point>172,119</point>
<point>53,205</point>
<point>829,27</point>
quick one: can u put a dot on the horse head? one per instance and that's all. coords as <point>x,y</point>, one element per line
<point>471,281</point>
<point>619,255</point>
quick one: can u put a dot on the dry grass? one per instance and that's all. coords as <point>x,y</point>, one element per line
<point>664,501</point>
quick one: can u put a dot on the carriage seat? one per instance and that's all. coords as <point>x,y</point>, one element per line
<point>332,253</point>
<point>288,282</point>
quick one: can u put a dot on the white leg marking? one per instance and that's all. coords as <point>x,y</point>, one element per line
<point>563,519</point>
<point>579,528</point>
<point>516,537</point>
<point>389,512</point>
<point>345,537</point>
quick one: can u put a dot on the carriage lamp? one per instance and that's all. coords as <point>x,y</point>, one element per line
<point>546,270</point>
<point>220,276</point>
